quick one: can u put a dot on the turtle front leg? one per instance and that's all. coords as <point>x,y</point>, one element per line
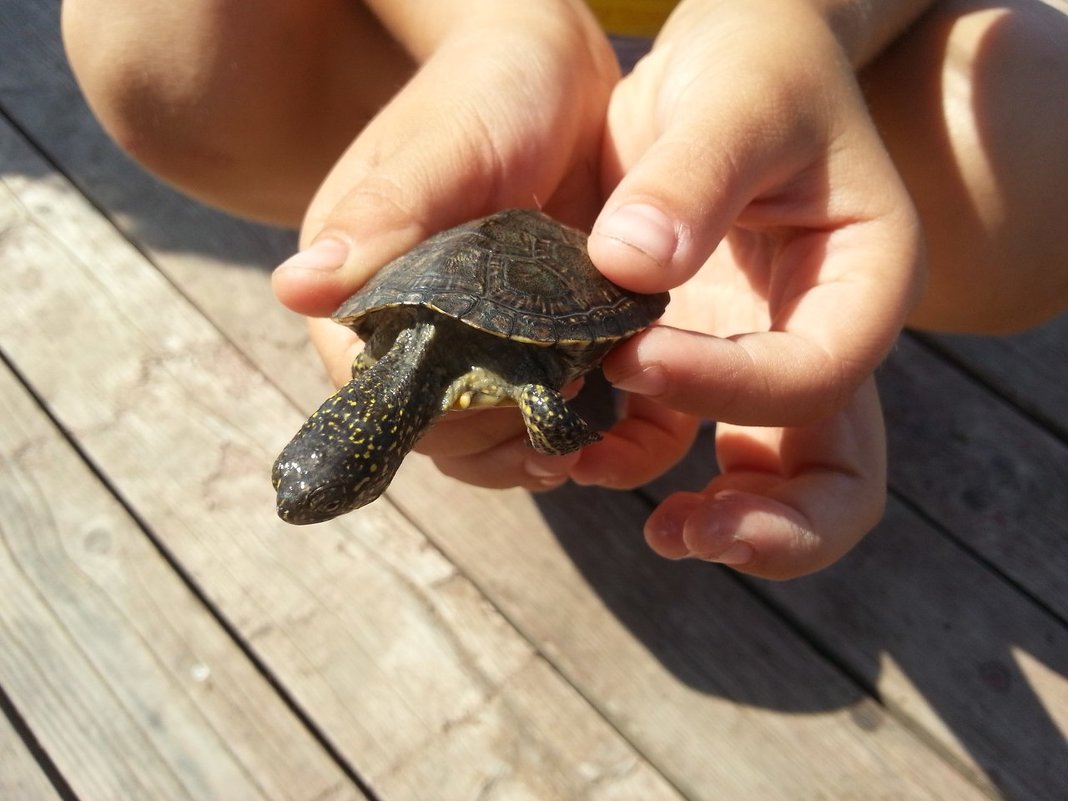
<point>553,427</point>
<point>362,362</point>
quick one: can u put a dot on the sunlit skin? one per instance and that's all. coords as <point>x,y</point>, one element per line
<point>865,166</point>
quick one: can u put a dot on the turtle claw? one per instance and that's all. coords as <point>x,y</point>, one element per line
<point>554,429</point>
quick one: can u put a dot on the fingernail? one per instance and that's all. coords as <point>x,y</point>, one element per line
<point>666,529</point>
<point>546,475</point>
<point>739,553</point>
<point>649,380</point>
<point>323,254</point>
<point>644,228</point>
<point>712,532</point>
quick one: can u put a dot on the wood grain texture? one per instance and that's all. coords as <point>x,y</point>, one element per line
<point>452,643</point>
<point>21,777</point>
<point>359,619</point>
<point>952,648</point>
<point>717,691</point>
<point>125,679</point>
<point>980,469</point>
<point>1028,368</point>
<point>921,611</point>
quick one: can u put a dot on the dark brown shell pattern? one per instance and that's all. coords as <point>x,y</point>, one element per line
<point>517,274</point>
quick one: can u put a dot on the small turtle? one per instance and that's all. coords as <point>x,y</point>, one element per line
<point>504,309</point>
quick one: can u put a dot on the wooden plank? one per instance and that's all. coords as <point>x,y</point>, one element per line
<point>21,777</point>
<point>125,679</point>
<point>718,692</point>
<point>980,469</point>
<point>412,676</point>
<point>946,641</point>
<point>1028,367</point>
<point>38,90</point>
<point>663,723</point>
<point>949,645</point>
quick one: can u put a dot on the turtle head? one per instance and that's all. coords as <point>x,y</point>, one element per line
<point>347,452</point>
<point>312,489</point>
<point>307,495</point>
<point>333,465</point>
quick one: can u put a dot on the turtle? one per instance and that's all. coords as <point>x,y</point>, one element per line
<point>506,309</point>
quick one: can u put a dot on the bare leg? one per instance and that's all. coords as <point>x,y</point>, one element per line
<point>248,105</point>
<point>973,106</point>
<point>243,105</point>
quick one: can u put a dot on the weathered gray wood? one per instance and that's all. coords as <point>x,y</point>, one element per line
<point>125,679</point>
<point>21,777</point>
<point>717,691</point>
<point>1028,367</point>
<point>408,671</point>
<point>979,468</point>
<point>969,660</point>
<point>754,707</point>
<point>945,640</point>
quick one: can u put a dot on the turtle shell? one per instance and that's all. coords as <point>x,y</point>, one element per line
<point>517,274</point>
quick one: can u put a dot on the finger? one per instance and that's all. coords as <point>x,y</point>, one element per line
<point>512,463</point>
<point>379,201</point>
<point>687,154</point>
<point>804,528</point>
<point>337,347</point>
<point>473,431</point>
<point>648,439</point>
<point>753,379</point>
<point>686,151</point>
<point>815,353</point>
<point>788,502</point>
<point>836,304</point>
<point>664,528</point>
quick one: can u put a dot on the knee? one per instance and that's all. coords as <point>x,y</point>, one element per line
<point>242,105</point>
<point>971,107</point>
<point>135,78</point>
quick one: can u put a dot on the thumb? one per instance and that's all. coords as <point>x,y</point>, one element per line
<point>458,142</point>
<point>397,183</point>
<point>711,129</point>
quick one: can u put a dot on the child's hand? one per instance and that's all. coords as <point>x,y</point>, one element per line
<point>732,130</point>
<point>506,110</point>
<point>748,179</point>
<point>787,501</point>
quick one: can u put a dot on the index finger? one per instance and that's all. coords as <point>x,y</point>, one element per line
<point>837,301</point>
<point>758,379</point>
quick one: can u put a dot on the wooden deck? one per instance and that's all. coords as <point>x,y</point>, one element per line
<point>163,636</point>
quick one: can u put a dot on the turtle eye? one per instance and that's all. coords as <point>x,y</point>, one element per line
<point>327,502</point>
